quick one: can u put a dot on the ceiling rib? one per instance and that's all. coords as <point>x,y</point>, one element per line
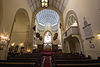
<point>59,4</point>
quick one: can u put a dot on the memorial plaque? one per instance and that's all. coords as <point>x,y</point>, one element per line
<point>88,33</point>
<point>88,30</point>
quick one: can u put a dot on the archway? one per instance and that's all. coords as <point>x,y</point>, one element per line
<point>71,20</point>
<point>50,8</point>
<point>47,41</point>
<point>73,41</point>
<point>20,30</point>
<point>74,45</point>
<point>47,20</point>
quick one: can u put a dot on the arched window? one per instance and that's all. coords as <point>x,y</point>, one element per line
<point>47,38</point>
<point>71,21</point>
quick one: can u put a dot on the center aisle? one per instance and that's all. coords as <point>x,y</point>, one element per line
<point>47,62</point>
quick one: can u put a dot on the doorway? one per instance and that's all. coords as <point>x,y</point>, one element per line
<point>74,45</point>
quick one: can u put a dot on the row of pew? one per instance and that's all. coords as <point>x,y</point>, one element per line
<point>24,60</point>
<point>73,60</point>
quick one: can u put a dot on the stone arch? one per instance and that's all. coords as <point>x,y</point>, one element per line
<point>20,28</point>
<point>47,31</point>
<point>23,11</point>
<point>74,41</point>
<point>18,11</point>
<point>72,12</point>
<point>52,8</point>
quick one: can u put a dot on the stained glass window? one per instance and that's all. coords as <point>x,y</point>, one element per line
<point>47,38</point>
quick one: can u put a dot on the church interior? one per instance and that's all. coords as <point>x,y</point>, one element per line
<point>49,33</point>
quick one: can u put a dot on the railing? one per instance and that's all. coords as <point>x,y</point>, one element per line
<point>71,31</point>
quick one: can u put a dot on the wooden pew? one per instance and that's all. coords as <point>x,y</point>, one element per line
<point>78,65</point>
<point>73,60</point>
<point>76,61</point>
<point>37,58</point>
<point>71,63</point>
<point>5,63</point>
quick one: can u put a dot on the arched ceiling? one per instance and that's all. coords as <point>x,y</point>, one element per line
<point>59,4</point>
<point>47,19</point>
<point>47,16</point>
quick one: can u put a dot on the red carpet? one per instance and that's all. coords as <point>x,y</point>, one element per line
<point>47,52</point>
<point>47,62</point>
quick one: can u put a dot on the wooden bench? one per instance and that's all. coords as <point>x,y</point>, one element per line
<point>17,64</point>
<point>61,63</point>
<point>37,58</point>
<point>73,60</point>
<point>78,65</point>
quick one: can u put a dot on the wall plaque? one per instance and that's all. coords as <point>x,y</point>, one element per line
<point>88,30</point>
<point>88,33</point>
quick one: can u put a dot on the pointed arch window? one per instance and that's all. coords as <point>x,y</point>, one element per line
<point>47,38</point>
<point>71,21</point>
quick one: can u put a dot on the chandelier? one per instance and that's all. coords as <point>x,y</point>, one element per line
<point>44,3</point>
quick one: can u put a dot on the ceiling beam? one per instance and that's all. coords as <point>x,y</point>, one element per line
<point>56,5</point>
<point>36,4</point>
<point>32,4</point>
<point>52,2</point>
<point>59,3</point>
<point>62,6</point>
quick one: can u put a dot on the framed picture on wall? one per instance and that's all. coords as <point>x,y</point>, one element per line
<point>92,45</point>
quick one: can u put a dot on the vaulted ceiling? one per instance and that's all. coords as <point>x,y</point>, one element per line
<point>47,20</point>
<point>47,16</point>
<point>59,4</point>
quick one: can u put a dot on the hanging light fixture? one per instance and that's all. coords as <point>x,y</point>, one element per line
<point>44,3</point>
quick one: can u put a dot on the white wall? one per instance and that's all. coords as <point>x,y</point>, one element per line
<point>1,12</point>
<point>20,29</point>
<point>91,10</point>
<point>9,11</point>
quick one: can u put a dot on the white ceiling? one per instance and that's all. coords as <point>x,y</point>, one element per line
<point>59,4</point>
<point>52,19</point>
<point>47,16</point>
<point>47,19</point>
